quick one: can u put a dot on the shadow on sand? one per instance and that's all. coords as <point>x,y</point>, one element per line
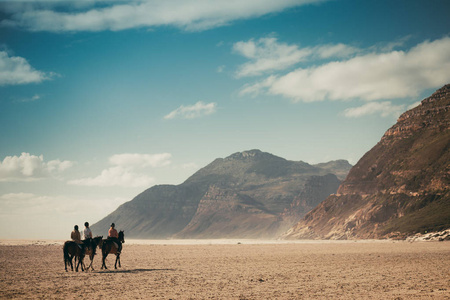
<point>132,271</point>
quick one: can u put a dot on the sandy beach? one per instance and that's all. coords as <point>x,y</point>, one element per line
<point>233,270</point>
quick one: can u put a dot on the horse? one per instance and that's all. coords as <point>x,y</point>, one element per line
<point>91,245</point>
<point>109,246</point>
<point>71,250</point>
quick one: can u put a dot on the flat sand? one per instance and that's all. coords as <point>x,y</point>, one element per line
<point>303,270</point>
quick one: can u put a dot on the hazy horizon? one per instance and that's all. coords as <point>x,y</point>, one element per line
<point>100,100</point>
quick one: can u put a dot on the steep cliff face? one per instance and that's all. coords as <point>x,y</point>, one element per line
<point>250,194</point>
<point>400,187</point>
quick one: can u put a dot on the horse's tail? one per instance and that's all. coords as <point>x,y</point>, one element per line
<point>66,251</point>
<point>66,255</point>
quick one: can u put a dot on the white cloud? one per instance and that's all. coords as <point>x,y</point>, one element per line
<point>334,51</point>
<point>16,70</point>
<point>385,109</point>
<point>27,167</point>
<point>28,99</point>
<point>116,176</point>
<point>125,171</point>
<point>267,55</point>
<point>197,110</point>
<point>111,15</point>
<point>140,160</point>
<point>373,76</point>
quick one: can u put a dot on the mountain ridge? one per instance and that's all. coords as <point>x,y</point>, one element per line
<point>398,188</point>
<point>250,194</point>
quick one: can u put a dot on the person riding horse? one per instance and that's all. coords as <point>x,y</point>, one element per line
<point>74,248</point>
<point>109,246</point>
<point>87,231</point>
<point>75,235</point>
<point>114,236</point>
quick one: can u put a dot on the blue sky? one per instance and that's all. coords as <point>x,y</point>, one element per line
<point>100,100</point>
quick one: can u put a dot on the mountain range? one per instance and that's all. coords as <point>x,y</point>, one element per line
<point>400,188</point>
<point>250,194</point>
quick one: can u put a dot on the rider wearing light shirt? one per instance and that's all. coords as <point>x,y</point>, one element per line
<point>87,231</point>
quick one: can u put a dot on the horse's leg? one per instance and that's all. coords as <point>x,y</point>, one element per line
<point>104,255</point>
<point>82,263</point>
<point>65,259</point>
<point>92,260</point>
<point>70,261</point>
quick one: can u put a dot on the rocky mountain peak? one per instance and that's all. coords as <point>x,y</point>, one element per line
<point>254,154</point>
<point>430,114</point>
<point>398,188</point>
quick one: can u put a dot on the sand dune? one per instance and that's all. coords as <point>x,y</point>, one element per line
<point>222,270</point>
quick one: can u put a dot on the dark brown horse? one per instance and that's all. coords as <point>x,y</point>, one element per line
<point>110,246</point>
<point>71,250</point>
<point>91,247</point>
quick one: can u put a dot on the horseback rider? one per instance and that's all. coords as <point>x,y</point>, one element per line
<point>87,231</point>
<point>114,236</point>
<point>75,235</point>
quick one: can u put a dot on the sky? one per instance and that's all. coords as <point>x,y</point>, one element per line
<point>100,100</point>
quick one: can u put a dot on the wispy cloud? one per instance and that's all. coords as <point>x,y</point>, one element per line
<point>191,15</point>
<point>27,167</point>
<point>16,70</point>
<point>370,76</point>
<point>29,99</point>
<point>116,176</point>
<point>126,171</point>
<point>141,160</point>
<point>220,69</point>
<point>197,110</point>
<point>385,109</point>
<point>268,55</point>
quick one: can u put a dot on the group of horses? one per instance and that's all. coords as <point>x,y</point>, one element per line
<point>72,250</point>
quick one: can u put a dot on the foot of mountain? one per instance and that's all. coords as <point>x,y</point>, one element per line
<point>430,236</point>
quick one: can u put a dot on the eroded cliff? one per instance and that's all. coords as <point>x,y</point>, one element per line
<point>400,187</point>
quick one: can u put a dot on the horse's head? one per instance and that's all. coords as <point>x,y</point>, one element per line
<point>121,236</point>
